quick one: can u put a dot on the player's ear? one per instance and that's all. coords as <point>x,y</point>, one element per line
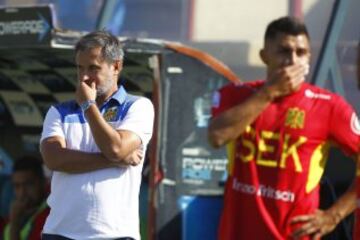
<point>263,56</point>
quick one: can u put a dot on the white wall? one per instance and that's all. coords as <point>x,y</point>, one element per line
<point>236,21</point>
<point>245,21</point>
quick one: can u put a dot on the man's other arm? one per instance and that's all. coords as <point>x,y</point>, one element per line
<point>230,124</point>
<point>322,222</point>
<point>131,134</point>
<point>114,144</point>
<point>59,158</point>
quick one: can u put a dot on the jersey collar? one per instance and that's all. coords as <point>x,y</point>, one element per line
<point>119,95</point>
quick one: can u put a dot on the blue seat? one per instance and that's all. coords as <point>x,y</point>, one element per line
<point>6,195</point>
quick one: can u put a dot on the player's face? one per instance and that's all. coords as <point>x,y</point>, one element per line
<point>28,187</point>
<point>91,67</point>
<point>286,50</point>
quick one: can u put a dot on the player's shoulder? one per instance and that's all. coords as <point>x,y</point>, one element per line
<point>319,93</point>
<point>139,100</point>
<point>67,107</point>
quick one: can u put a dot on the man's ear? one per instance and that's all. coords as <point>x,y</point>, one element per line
<point>118,66</point>
<point>263,56</point>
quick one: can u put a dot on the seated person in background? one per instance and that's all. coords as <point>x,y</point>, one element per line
<point>28,209</point>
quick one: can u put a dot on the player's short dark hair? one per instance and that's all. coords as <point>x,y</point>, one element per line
<point>287,25</point>
<point>29,163</point>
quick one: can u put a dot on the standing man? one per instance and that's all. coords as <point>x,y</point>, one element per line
<point>28,210</point>
<point>280,130</point>
<point>96,146</point>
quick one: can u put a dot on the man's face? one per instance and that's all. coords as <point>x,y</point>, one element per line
<point>91,67</point>
<point>286,50</point>
<point>28,187</point>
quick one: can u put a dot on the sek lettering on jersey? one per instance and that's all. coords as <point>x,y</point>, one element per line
<point>271,149</point>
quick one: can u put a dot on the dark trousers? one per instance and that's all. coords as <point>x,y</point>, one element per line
<point>58,237</point>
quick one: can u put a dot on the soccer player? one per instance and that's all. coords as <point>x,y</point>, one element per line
<point>279,131</point>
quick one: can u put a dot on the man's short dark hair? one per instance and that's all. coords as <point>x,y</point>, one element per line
<point>287,25</point>
<point>29,163</point>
